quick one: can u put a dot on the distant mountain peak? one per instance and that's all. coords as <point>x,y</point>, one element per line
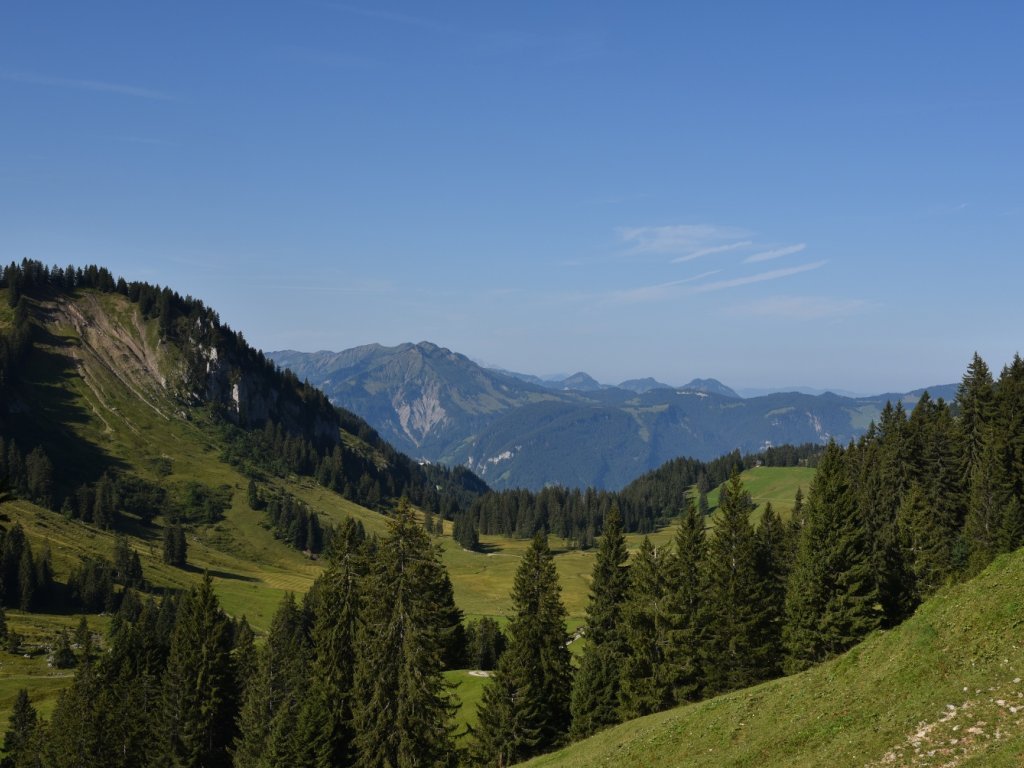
<point>711,387</point>
<point>643,385</point>
<point>580,381</point>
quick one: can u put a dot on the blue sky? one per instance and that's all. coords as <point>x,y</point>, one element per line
<point>772,194</point>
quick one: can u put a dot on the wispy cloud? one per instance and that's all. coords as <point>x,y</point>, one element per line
<point>801,307</point>
<point>713,250</point>
<point>685,239</point>
<point>775,253</point>
<point>101,86</point>
<point>658,292</point>
<point>761,277</point>
<point>393,17</point>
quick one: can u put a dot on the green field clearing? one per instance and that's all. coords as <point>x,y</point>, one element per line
<point>777,485</point>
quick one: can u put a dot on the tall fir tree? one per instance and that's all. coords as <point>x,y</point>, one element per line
<point>685,587</point>
<point>275,690</point>
<point>648,681</point>
<point>975,399</point>
<point>1009,403</point>
<point>987,500</point>
<point>831,596</point>
<point>199,686</point>
<point>1011,526</point>
<point>772,561</point>
<point>595,691</point>
<point>325,723</point>
<point>402,707</point>
<point>926,540</point>
<point>525,709</point>
<point>881,470</point>
<point>21,728</point>
<point>795,524</point>
<point>735,648</point>
<point>75,733</point>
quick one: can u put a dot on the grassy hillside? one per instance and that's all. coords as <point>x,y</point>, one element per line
<point>943,689</point>
<point>777,485</point>
<point>94,394</point>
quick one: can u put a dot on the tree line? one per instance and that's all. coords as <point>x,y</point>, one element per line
<point>649,502</point>
<point>95,584</point>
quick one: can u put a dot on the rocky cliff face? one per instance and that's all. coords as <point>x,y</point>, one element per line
<point>250,394</point>
<point>207,367</point>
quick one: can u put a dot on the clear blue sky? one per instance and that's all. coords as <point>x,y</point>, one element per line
<point>771,194</point>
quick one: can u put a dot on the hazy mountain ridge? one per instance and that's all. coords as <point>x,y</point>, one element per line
<point>440,406</point>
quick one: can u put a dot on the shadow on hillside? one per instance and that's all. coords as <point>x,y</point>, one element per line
<point>48,413</point>
<point>226,575</point>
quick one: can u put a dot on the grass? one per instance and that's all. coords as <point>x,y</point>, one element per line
<point>29,668</point>
<point>945,688</point>
<point>777,485</point>
<point>468,690</point>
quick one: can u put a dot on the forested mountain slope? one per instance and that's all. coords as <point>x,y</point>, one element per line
<point>85,355</point>
<point>439,405</point>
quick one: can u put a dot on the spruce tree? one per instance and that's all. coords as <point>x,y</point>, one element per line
<point>685,592</point>
<point>987,501</point>
<point>245,654</point>
<point>794,526</point>
<point>831,597</point>
<point>648,682</point>
<point>199,686</point>
<point>525,708</point>
<point>735,650</point>
<point>129,694</point>
<point>325,722</point>
<point>595,691</point>
<point>21,728</point>
<point>485,642</point>
<point>926,541</point>
<point>26,579</point>
<point>63,657</point>
<point>975,398</point>
<point>772,557</point>
<point>1009,405</point>
<point>1011,526</point>
<point>75,734</point>
<point>402,708</point>
<point>274,692</point>
<point>253,495</point>
<point>882,469</point>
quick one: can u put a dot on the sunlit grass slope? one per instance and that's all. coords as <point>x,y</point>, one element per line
<point>943,689</point>
<point>777,485</point>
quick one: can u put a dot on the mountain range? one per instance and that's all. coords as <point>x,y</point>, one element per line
<point>517,430</point>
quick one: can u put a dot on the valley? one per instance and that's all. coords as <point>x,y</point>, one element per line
<point>516,430</point>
